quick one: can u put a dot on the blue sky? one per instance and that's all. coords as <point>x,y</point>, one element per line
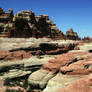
<point>76,14</point>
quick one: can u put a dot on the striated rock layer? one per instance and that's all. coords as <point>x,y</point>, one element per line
<point>45,70</point>
<point>26,24</point>
<point>18,49</point>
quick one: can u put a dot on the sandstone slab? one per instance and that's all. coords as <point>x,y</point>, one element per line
<point>60,81</point>
<point>40,78</point>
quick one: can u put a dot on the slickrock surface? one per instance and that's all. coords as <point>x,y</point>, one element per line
<point>44,65</point>
<point>40,78</point>
<point>80,67</point>
<point>82,85</point>
<point>16,73</point>
<point>60,81</point>
<point>15,48</point>
<point>12,69</point>
<point>71,66</point>
<point>86,47</point>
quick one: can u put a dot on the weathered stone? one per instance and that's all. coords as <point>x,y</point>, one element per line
<point>16,55</point>
<point>18,49</point>
<point>9,89</point>
<point>15,74</point>
<point>72,35</point>
<point>85,46</point>
<point>82,85</point>
<point>62,60</point>
<point>40,78</point>
<point>25,24</point>
<point>60,81</point>
<point>79,67</point>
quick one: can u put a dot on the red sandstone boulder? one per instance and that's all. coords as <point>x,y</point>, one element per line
<point>63,60</point>
<point>79,67</point>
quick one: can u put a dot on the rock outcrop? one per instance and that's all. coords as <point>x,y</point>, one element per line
<point>52,66</point>
<point>72,35</point>
<point>21,59</point>
<point>5,22</point>
<point>18,49</point>
<point>41,81</point>
<point>26,24</point>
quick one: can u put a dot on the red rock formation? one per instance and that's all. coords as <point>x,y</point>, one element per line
<point>62,60</point>
<point>25,24</point>
<point>16,55</point>
<point>80,67</point>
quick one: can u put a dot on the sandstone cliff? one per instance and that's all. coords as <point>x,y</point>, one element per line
<point>26,24</point>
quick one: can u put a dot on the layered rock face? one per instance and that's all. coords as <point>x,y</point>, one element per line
<point>26,24</point>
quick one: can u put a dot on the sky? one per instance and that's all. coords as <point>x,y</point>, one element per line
<point>76,14</point>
